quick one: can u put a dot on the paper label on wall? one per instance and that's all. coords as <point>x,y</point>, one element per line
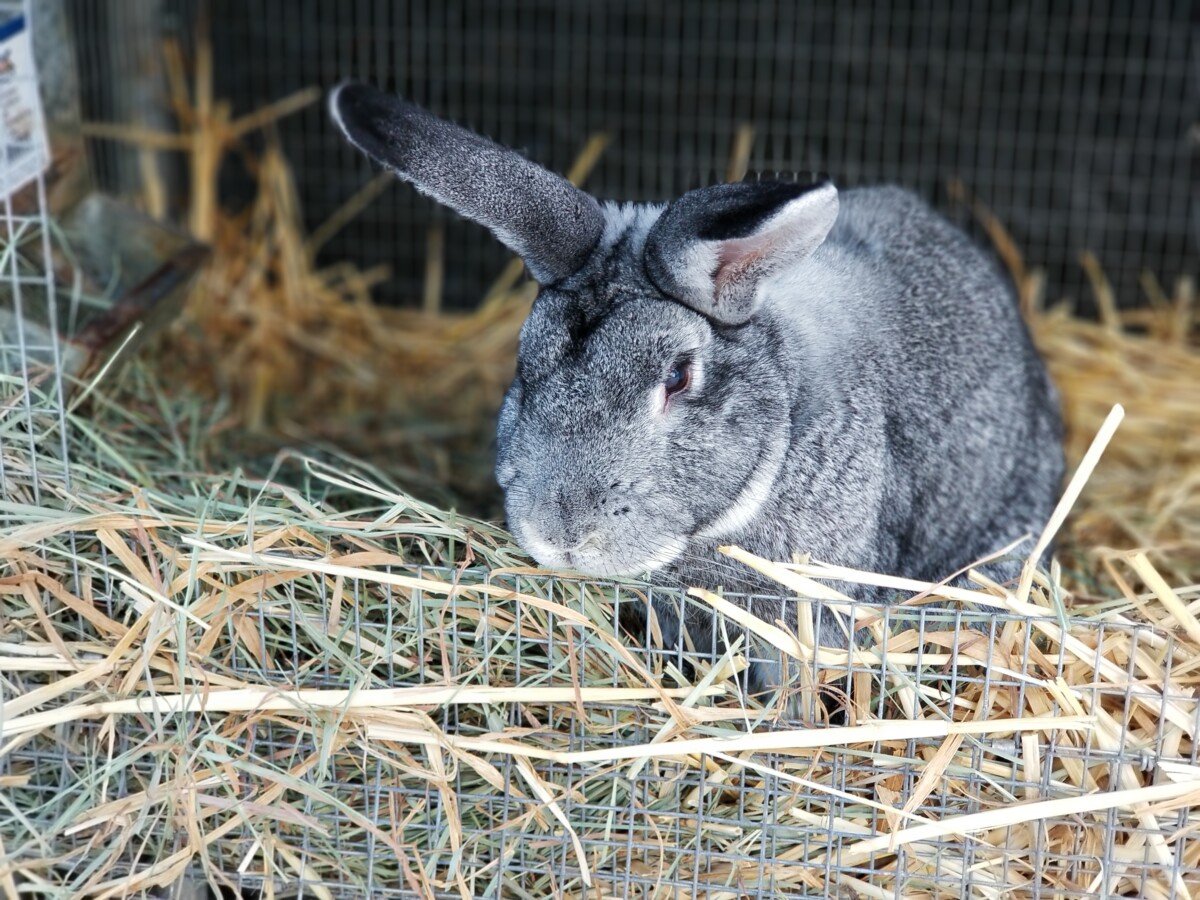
<point>24,149</point>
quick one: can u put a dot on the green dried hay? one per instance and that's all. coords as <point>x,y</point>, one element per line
<point>233,674</point>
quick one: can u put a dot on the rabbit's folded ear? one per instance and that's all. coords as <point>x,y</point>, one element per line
<point>540,216</point>
<point>715,246</point>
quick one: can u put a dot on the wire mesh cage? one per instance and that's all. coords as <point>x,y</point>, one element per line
<point>310,683</point>
<point>575,797</point>
<point>30,355</point>
<point>1071,122</point>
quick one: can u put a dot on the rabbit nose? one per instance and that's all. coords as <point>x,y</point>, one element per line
<point>574,516</point>
<point>569,521</point>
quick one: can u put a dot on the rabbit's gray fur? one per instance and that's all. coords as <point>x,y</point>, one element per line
<point>872,398</point>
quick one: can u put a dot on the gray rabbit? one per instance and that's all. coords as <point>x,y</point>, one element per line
<point>769,364</point>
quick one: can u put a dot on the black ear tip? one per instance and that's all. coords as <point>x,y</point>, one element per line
<point>371,119</point>
<point>353,104</point>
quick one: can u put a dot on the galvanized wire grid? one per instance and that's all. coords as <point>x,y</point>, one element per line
<point>32,390</point>
<point>652,839</point>
<point>1073,122</point>
<point>674,829</point>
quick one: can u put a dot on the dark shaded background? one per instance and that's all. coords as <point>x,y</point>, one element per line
<point>1076,122</point>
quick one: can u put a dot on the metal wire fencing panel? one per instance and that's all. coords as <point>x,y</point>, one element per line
<point>524,798</point>
<point>1072,122</point>
<point>33,433</point>
<point>765,824</point>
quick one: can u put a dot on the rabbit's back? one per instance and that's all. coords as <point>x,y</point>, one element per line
<point>964,417</point>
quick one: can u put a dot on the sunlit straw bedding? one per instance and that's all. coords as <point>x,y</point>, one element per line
<point>306,675</point>
<point>314,677</point>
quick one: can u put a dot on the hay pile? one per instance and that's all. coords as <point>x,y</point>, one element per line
<point>317,677</point>
<point>300,350</point>
<point>309,675</point>
<point>1147,494</point>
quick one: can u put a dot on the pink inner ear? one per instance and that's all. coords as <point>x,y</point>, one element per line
<point>735,259</point>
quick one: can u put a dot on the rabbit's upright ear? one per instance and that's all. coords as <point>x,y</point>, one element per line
<point>714,247</point>
<point>543,218</point>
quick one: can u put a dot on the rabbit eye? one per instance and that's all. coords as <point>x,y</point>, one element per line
<point>678,378</point>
